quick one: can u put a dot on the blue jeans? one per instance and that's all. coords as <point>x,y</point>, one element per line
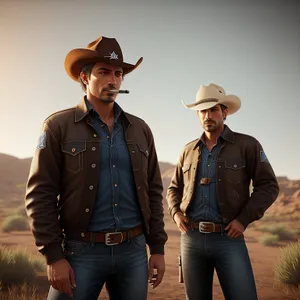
<point>202,253</point>
<point>123,267</point>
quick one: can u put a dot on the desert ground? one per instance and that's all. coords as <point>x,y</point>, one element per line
<point>263,259</point>
<point>285,211</point>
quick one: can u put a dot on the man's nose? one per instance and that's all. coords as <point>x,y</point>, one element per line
<point>207,114</point>
<point>113,79</point>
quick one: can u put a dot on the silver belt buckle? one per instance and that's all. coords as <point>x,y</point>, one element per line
<point>108,235</point>
<point>202,226</point>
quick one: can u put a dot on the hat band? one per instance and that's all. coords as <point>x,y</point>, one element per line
<point>206,100</point>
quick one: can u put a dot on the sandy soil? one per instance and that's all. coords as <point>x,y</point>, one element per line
<point>263,260</point>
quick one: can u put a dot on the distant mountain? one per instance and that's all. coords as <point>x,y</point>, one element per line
<point>14,174</point>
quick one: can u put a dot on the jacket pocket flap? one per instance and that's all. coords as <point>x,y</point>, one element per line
<point>235,165</point>
<point>186,167</point>
<point>73,147</point>
<point>143,150</point>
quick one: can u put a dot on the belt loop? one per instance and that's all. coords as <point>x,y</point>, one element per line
<point>93,238</point>
<point>222,228</point>
<point>129,236</point>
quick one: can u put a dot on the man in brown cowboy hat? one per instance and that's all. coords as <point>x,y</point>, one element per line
<point>94,193</point>
<point>209,199</point>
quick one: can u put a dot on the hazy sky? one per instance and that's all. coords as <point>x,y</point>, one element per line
<point>251,48</point>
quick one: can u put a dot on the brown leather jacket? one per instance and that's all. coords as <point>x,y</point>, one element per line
<point>240,160</point>
<point>62,184</point>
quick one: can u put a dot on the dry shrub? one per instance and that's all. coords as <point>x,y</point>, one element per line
<point>17,266</point>
<point>269,240</point>
<point>287,271</point>
<point>15,223</point>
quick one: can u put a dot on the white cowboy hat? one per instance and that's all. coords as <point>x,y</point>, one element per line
<point>211,95</point>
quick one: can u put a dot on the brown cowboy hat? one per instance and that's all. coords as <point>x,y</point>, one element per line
<point>103,49</point>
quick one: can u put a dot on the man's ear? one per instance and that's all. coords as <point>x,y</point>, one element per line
<point>84,77</point>
<point>225,113</point>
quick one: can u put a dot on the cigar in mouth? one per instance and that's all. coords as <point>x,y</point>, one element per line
<point>119,91</point>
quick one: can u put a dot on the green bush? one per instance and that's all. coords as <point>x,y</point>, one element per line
<point>269,240</point>
<point>15,266</point>
<point>280,230</point>
<point>15,223</point>
<point>287,270</point>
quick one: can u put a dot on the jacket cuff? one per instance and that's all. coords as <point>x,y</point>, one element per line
<point>243,219</point>
<point>53,252</point>
<point>157,249</point>
<point>173,211</point>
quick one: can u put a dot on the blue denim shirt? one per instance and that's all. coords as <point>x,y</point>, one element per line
<point>116,206</point>
<point>204,205</point>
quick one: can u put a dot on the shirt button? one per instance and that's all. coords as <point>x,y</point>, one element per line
<point>220,167</point>
<point>208,165</point>
<point>73,150</point>
<point>234,166</point>
<point>95,135</point>
<point>93,148</point>
<point>107,137</point>
<point>91,187</point>
<point>116,204</point>
<point>93,166</point>
<point>116,185</point>
<point>87,210</point>
<point>219,179</point>
<point>133,151</point>
<point>139,187</point>
<point>82,234</point>
<point>114,166</point>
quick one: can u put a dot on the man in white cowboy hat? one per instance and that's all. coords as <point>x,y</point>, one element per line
<point>94,193</point>
<point>209,199</point>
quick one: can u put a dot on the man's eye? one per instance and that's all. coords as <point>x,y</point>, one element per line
<point>119,74</point>
<point>103,73</point>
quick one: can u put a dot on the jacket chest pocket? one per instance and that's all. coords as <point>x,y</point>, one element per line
<point>74,152</point>
<point>186,170</point>
<point>235,171</point>
<point>144,155</point>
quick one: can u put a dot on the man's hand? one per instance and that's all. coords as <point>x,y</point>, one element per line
<point>61,276</point>
<point>181,222</point>
<point>156,261</point>
<point>235,229</point>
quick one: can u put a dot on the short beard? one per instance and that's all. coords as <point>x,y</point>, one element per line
<point>107,99</point>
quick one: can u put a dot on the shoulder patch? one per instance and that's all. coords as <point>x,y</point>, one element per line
<point>263,157</point>
<point>42,141</point>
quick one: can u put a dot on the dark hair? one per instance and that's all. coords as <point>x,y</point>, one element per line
<point>87,69</point>
<point>223,107</point>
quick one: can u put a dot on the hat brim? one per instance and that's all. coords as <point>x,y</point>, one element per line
<point>232,102</point>
<point>77,58</point>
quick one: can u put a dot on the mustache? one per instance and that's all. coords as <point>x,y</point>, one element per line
<point>209,121</point>
<point>109,87</point>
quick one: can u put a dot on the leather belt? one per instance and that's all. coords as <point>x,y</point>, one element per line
<point>207,227</point>
<point>109,238</point>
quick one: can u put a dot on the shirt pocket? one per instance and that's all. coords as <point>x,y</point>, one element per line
<point>74,151</point>
<point>235,171</point>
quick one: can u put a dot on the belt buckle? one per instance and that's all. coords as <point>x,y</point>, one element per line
<point>108,235</point>
<point>202,226</point>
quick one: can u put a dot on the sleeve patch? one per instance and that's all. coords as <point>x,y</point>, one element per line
<point>42,141</point>
<point>263,157</point>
